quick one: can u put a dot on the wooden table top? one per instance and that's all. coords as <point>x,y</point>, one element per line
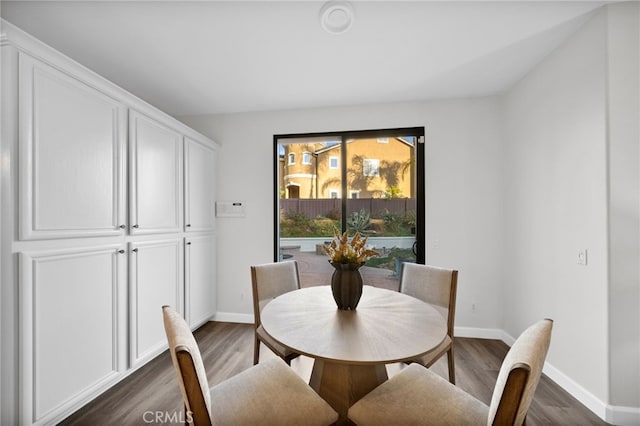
<point>386,327</point>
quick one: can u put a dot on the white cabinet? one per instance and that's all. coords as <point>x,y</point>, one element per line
<point>200,278</point>
<point>94,182</point>
<point>71,156</point>
<point>155,178</point>
<point>155,279</point>
<point>199,183</point>
<point>72,326</point>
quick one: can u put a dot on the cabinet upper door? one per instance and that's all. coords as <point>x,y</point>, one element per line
<point>199,185</point>
<point>71,156</point>
<point>155,179</point>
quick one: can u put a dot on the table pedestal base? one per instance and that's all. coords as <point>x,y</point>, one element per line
<point>342,385</point>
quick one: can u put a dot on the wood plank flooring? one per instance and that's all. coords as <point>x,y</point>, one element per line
<point>151,394</point>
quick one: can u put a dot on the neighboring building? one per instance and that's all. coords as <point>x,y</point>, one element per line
<point>376,168</point>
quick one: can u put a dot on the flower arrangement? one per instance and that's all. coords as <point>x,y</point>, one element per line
<point>341,250</point>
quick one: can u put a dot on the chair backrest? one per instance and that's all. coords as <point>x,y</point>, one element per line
<point>271,280</point>
<point>187,361</point>
<point>519,375</point>
<point>436,286</point>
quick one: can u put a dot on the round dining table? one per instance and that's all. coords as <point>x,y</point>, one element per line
<point>351,347</point>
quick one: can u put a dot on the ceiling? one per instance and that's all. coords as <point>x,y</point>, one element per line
<point>204,57</point>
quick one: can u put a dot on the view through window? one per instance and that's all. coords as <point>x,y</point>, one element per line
<point>367,182</point>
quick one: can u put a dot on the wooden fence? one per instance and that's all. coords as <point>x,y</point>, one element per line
<point>330,207</point>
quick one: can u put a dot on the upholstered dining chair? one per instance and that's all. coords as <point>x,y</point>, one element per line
<point>269,393</point>
<point>418,396</point>
<point>268,281</point>
<point>438,287</point>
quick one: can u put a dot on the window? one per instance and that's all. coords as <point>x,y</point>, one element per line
<point>348,174</point>
<point>333,162</point>
<point>370,167</point>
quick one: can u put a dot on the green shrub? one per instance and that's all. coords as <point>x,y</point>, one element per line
<point>359,222</point>
<point>392,221</point>
<point>299,226</point>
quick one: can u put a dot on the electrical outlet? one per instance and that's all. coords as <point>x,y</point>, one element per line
<point>582,257</point>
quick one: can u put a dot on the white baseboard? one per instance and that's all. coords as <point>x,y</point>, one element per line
<point>625,416</point>
<point>612,414</point>
<point>615,415</point>
<point>481,333</point>
<point>589,400</point>
<point>233,317</point>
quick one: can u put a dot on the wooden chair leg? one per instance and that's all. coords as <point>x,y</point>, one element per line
<point>452,368</point>
<point>256,350</point>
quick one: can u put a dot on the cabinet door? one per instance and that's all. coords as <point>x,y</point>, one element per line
<point>72,327</point>
<point>200,279</point>
<point>155,180</point>
<point>200,163</point>
<point>156,279</point>
<point>71,156</point>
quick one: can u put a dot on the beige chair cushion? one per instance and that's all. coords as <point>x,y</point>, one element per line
<point>181,339</point>
<point>269,393</point>
<point>417,396</point>
<point>273,279</point>
<point>269,281</point>
<point>427,283</point>
<point>528,351</point>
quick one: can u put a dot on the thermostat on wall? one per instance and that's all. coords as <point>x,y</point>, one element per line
<point>230,209</point>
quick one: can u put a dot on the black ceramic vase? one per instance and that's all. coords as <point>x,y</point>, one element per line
<point>346,285</point>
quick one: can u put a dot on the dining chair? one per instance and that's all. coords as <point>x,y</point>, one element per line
<point>268,281</point>
<point>418,396</point>
<point>269,393</point>
<point>438,287</point>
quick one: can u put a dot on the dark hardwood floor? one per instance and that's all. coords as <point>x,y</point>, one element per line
<point>151,394</point>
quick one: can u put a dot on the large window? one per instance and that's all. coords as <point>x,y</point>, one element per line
<point>370,182</point>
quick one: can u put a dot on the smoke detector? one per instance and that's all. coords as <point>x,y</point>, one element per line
<point>336,17</point>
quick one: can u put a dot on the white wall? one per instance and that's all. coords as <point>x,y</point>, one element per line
<point>623,38</point>
<point>555,199</point>
<point>572,128</point>
<point>463,192</point>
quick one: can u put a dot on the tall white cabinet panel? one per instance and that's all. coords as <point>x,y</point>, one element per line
<point>155,180</point>
<point>199,197</point>
<point>71,326</point>
<point>156,271</point>
<point>200,275</point>
<point>72,155</point>
<point>96,184</point>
